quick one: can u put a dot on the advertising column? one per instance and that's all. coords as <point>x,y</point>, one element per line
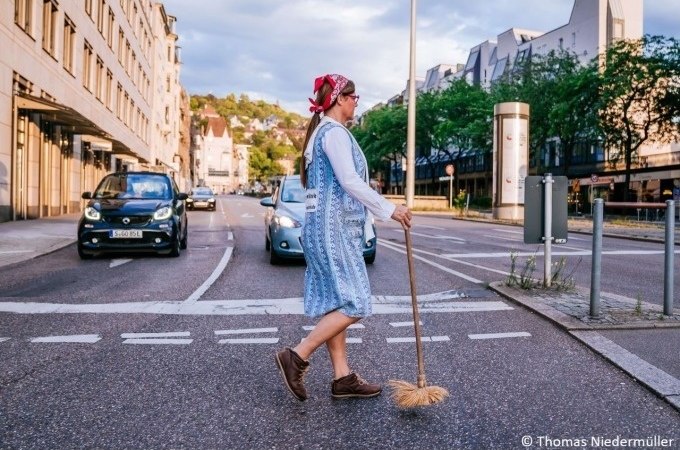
<point>510,159</point>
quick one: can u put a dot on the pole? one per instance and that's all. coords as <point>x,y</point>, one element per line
<point>411,125</point>
<point>547,230</point>
<point>450,191</point>
<point>668,260</point>
<point>596,265</point>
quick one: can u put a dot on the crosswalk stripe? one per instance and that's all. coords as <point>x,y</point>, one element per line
<point>404,324</point>
<point>498,335</point>
<point>247,331</point>
<point>164,341</point>
<point>155,335</point>
<point>71,339</point>
<point>249,341</point>
<point>400,340</point>
<point>354,326</point>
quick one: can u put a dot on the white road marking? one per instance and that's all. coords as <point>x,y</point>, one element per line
<point>72,339</point>
<point>249,341</point>
<point>171,334</point>
<point>558,253</point>
<point>499,335</point>
<point>508,231</point>
<point>502,238</point>
<point>354,326</point>
<point>404,324</point>
<point>431,227</point>
<point>433,264</point>
<point>118,262</point>
<point>400,340</point>
<point>230,236</point>
<point>352,340</point>
<point>284,306</point>
<point>4,339</point>
<point>247,331</point>
<point>16,251</point>
<point>148,341</point>
<point>246,216</point>
<point>193,298</point>
<point>438,236</point>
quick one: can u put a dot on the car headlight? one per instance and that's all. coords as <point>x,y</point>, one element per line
<point>211,200</point>
<point>287,222</point>
<point>189,200</point>
<point>92,213</point>
<point>163,214</point>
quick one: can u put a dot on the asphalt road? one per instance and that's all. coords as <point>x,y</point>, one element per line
<point>142,374</point>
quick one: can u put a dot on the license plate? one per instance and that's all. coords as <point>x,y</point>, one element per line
<point>125,234</point>
<point>201,204</point>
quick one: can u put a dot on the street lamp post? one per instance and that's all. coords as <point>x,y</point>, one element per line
<point>411,125</point>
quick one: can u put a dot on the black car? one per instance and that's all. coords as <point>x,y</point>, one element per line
<point>201,197</point>
<point>133,212</point>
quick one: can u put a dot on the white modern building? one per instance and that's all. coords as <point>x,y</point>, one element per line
<point>213,149</point>
<point>79,97</point>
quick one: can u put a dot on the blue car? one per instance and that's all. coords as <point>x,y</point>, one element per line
<point>284,219</point>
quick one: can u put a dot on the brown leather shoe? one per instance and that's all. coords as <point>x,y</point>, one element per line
<point>353,385</point>
<point>293,369</point>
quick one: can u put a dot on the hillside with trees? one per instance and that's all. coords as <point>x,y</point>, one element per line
<point>273,151</point>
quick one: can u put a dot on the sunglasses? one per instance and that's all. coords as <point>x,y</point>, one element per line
<point>353,97</point>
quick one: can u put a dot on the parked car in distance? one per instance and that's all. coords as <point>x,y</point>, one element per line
<point>283,222</point>
<point>133,212</point>
<point>201,197</point>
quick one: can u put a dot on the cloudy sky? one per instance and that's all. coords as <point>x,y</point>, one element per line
<point>273,49</point>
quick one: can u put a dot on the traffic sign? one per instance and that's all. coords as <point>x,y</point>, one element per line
<point>449,169</point>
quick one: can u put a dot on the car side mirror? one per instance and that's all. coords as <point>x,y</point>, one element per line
<point>267,201</point>
<point>87,195</point>
<point>182,196</point>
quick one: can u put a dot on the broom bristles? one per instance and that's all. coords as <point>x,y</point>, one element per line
<point>407,395</point>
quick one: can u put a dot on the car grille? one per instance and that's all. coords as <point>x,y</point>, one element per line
<point>135,221</point>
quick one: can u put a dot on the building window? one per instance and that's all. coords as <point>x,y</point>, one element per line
<point>101,9</point>
<point>167,84</point>
<point>167,115</point>
<point>573,39</point>
<point>561,44</point>
<point>121,45</point>
<point>49,26</point>
<point>23,14</point>
<point>119,101</point>
<point>87,66</point>
<point>108,97</point>
<point>99,80</point>
<point>69,45</point>
<point>111,28</point>
<point>88,8</point>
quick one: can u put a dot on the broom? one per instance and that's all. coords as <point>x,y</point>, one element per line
<point>405,394</point>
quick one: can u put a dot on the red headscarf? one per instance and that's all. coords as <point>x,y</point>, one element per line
<point>337,82</point>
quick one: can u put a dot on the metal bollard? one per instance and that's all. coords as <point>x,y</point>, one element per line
<point>547,229</point>
<point>596,258</point>
<point>668,260</point>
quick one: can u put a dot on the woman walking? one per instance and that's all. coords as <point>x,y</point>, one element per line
<point>340,205</point>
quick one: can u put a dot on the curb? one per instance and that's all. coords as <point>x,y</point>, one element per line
<point>656,380</point>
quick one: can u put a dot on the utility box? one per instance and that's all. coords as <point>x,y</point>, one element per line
<point>534,210</point>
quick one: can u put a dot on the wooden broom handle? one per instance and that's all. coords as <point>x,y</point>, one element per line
<point>416,316</point>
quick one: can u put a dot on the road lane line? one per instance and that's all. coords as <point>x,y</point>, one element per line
<point>4,252</point>
<point>164,341</point>
<point>437,236</point>
<point>508,231</point>
<point>249,341</point>
<point>433,264</point>
<point>498,335</point>
<point>72,339</point>
<point>193,298</point>
<point>404,324</point>
<point>4,339</point>
<point>354,326</point>
<point>401,340</point>
<point>118,262</point>
<point>155,335</point>
<point>502,238</point>
<point>230,236</point>
<point>246,331</point>
<point>431,227</point>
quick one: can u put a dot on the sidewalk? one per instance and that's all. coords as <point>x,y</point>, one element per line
<point>635,338</point>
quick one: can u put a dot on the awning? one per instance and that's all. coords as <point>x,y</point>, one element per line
<point>69,117</point>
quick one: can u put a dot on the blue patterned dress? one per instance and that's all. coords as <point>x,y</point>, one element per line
<point>335,278</point>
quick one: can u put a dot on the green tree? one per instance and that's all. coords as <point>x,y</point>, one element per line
<point>638,85</point>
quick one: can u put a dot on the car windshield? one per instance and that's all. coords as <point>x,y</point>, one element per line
<point>293,192</point>
<point>134,186</point>
<point>201,191</point>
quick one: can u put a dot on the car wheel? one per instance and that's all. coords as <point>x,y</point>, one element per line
<point>82,253</point>
<point>370,259</point>
<point>183,243</point>
<point>176,246</point>
<point>274,258</point>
